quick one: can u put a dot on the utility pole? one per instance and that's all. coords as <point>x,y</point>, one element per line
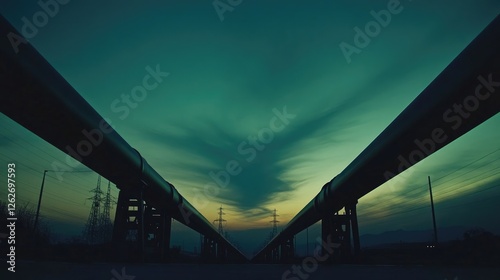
<point>39,201</point>
<point>433,213</point>
<point>41,193</point>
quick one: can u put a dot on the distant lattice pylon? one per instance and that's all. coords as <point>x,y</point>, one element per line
<point>91,231</point>
<point>275,224</point>
<point>220,220</point>
<point>105,224</point>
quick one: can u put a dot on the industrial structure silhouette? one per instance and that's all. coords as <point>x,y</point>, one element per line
<point>147,202</point>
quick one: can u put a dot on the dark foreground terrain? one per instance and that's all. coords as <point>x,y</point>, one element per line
<point>120,271</point>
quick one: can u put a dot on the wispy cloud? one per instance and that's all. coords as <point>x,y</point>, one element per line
<point>207,146</point>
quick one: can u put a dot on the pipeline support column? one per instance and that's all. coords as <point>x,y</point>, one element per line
<point>342,229</point>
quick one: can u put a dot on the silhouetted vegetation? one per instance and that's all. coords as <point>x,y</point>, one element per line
<point>26,238</point>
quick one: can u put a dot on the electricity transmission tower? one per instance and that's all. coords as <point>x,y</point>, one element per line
<point>105,224</point>
<point>220,220</point>
<point>91,231</point>
<point>275,224</point>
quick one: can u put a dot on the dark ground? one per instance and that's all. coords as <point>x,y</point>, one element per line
<point>75,271</point>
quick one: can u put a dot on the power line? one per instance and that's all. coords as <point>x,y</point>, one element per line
<point>421,188</point>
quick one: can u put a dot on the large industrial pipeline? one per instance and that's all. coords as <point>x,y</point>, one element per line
<point>36,96</point>
<point>465,94</point>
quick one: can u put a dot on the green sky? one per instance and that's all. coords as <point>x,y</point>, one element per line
<point>226,81</point>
